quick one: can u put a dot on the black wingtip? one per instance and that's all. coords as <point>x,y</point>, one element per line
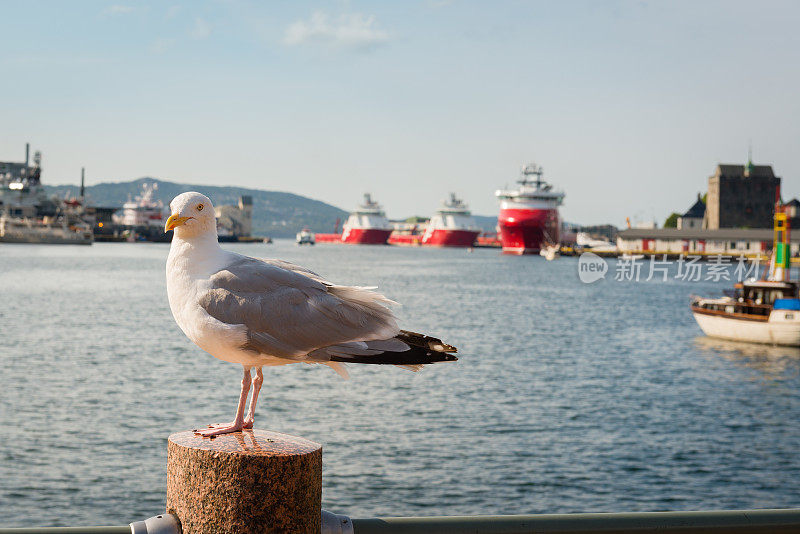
<point>423,350</point>
<point>421,340</point>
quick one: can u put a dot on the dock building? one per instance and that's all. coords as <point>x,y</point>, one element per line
<point>700,241</point>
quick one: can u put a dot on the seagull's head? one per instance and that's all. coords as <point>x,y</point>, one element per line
<point>192,215</point>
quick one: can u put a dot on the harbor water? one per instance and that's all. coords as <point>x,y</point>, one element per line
<point>568,397</point>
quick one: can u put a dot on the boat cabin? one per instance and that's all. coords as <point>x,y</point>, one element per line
<point>764,291</point>
<point>752,300</point>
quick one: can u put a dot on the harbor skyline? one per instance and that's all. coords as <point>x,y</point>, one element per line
<point>627,106</point>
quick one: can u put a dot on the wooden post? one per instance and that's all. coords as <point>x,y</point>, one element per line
<point>253,481</point>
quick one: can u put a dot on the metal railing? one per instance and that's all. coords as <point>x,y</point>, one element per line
<point>68,530</point>
<point>729,522</point>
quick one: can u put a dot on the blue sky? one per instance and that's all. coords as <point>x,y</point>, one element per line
<point>628,106</point>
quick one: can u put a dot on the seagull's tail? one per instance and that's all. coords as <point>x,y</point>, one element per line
<point>408,349</point>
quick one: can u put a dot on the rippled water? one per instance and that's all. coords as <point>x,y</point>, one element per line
<point>567,398</point>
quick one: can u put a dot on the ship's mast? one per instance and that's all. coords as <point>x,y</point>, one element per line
<point>532,169</point>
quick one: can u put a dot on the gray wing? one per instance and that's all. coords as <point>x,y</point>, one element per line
<point>296,268</point>
<point>290,311</point>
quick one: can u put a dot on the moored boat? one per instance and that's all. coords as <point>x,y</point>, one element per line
<point>529,216</point>
<point>48,231</point>
<point>759,311</point>
<point>550,252</point>
<point>367,225</point>
<point>144,210</point>
<point>451,226</point>
<point>305,237</point>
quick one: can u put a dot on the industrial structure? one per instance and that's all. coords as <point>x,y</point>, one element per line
<point>29,215</point>
<point>235,221</point>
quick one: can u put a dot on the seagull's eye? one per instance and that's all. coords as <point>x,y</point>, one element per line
<point>199,207</point>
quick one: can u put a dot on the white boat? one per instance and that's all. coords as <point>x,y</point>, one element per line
<point>759,311</point>
<point>588,243</point>
<point>550,252</point>
<point>144,210</point>
<point>305,237</point>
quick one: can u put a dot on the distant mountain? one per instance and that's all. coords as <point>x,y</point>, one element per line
<point>275,214</point>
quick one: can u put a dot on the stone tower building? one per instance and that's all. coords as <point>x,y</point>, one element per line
<point>741,196</point>
<point>236,220</point>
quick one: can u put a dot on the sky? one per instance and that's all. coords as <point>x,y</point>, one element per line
<point>628,106</point>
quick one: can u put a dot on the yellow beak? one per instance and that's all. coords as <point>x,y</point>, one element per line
<point>173,221</point>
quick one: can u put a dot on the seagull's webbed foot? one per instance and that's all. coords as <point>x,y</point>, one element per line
<point>248,423</point>
<point>220,428</point>
<point>219,425</point>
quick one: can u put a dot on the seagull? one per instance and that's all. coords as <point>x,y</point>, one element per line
<point>261,313</point>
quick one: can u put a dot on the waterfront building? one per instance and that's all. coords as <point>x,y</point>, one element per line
<point>693,218</point>
<point>726,241</point>
<point>236,220</point>
<point>741,196</point>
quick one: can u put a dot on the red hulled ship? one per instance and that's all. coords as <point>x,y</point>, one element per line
<point>529,216</point>
<point>451,226</point>
<point>367,225</point>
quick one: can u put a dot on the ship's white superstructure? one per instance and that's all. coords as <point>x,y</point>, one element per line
<point>145,210</point>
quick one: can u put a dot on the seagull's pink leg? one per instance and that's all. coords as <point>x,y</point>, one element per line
<point>251,413</point>
<point>238,422</point>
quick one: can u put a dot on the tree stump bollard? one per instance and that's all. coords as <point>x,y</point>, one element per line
<point>253,481</point>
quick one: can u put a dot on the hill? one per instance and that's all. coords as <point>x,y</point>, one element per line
<point>275,214</point>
